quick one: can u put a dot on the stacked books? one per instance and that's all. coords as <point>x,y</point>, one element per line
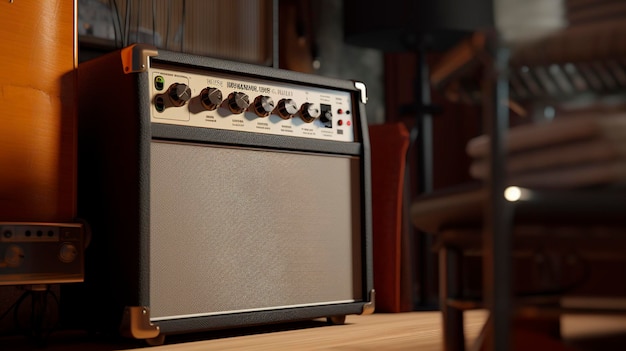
<point>571,152</point>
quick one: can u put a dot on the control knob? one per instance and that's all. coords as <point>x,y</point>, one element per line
<point>238,102</point>
<point>210,98</point>
<point>263,105</point>
<point>13,257</point>
<point>68,253</point>
<point>179,94</point>
<point>308,112</point>
<point>327,119</point>
<point>286,108</point>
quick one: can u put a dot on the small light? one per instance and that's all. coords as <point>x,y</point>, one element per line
<point>348,123</point>
<point>513,193</point>
<point>549,113</point>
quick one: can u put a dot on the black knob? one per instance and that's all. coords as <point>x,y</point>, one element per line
<point>210,98</point>
<point>238,102</point>
<point>263,105</point>
<point>327,119</point>
<point>308,112</point>
<point>286,108</point>
<point>68,253</point>
<point>179,94</point>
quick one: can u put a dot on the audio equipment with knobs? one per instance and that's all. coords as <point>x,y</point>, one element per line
<point>41,253</point>
<point>40,242</point>
<point>218,196</point>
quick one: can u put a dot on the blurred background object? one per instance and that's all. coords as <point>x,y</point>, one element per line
<point>37,128</point>
<point>236,30</point>
<point>37,150</point>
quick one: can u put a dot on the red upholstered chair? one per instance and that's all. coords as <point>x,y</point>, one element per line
<point>389,144</point>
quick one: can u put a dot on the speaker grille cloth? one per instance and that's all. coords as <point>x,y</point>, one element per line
<point>236,229</point>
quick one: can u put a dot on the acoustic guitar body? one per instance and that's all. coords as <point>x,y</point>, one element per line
<point>37,111</point>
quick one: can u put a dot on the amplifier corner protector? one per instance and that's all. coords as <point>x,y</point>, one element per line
<point>135,57</point>
<point>136,323</point>
<point>369,307</point>
<point>361,86</point>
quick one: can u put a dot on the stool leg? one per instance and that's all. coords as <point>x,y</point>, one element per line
<point>450,287</point>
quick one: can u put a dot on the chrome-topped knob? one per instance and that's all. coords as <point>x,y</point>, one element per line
<point>286,108</point>
<point>210,98</point>
<point>309,112</point>
<point>238,102</point>
<point>263,105</point>
<point>179,94</point>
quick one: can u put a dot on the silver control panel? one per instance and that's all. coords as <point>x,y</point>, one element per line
<point>41,253</point>
<point>223,101</point>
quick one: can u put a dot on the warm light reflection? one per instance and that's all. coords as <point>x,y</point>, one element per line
<point>513,193</point>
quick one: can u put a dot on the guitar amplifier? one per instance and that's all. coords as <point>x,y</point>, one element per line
<point>220,194</point>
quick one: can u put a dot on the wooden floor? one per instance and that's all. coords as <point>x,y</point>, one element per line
<point>378,332</point>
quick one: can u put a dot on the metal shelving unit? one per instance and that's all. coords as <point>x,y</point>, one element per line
<point>481,221</point>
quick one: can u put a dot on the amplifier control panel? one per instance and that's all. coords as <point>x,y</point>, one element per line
<point>41,253</point>
<point>225,101</point>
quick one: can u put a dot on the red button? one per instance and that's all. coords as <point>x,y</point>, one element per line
<point>340,122</point>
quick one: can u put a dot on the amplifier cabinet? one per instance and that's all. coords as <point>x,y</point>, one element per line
<point>220,194</point>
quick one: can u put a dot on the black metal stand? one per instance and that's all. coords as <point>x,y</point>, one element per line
<point>497,242</point>
<point>424,143</point>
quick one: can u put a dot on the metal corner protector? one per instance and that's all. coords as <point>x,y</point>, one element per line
<point>135,57</point>
<point>369,307</point>
<point>361,86</point>
<point>136,323</point>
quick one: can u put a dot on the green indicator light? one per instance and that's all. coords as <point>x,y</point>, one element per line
<point>159,82</point>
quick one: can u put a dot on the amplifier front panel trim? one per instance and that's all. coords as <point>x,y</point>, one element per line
<point>335,107</point>
<point>273,308</point>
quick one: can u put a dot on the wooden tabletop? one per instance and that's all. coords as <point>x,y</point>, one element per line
<point>380,331</point>
<point>403,331</point>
